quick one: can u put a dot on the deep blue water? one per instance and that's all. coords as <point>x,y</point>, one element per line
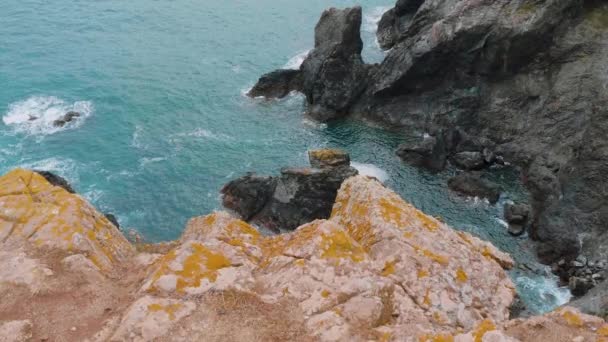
<point>165,125</point>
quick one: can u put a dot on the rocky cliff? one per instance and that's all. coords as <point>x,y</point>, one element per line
<point>521,80</point>
<point>377,269</point>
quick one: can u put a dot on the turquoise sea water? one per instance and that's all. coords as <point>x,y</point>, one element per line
<point>165,124</point>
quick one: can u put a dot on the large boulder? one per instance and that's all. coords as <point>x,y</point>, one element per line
<point>474,185</point>
<point>248,195</point>
<point>295,197</point>
<point>426,151</point>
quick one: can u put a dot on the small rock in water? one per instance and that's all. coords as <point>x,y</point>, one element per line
<point>328,158</point>
<point>472,184</point>
<point>579,286</point>
<point>68,117</point>
<point>469,160</point>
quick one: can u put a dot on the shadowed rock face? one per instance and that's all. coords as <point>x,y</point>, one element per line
<point>525,78</point>
<point>377,269</point>
<point>296,197</point>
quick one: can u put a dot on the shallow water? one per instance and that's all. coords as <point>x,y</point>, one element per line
<point>165,123</point>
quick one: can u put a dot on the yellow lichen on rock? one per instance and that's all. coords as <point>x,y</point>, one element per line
<point>34,211</point>
<point>378,269</point>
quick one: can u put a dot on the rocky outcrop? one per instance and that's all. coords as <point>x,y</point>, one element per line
<point>377,269</point>
<point>474,185</point>
<point>277,84</point>
<point>524,77</point>
<point>295,197</point>
<point>333,74</point>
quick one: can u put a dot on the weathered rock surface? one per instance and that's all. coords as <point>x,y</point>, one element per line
<point>474,185</point>
<point>333,74</point>
<point>526,76</point>
<point>297,196</point>
<point>378,269</point>
<point>248,195</point>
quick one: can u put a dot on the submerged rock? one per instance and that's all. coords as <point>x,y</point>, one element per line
<point>474,185</point>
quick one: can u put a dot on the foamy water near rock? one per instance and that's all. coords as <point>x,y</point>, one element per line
<point>378,269</point>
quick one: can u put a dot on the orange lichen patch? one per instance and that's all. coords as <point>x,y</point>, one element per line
<point>300,262</point>
<point>391,210</point>
<point>427,221</point>
<point>325,293</point>
<point>483,327</point>
<point>465,237</point>
<point>201,264</point>
<point>572,318</point>
<point>422,273</point>
<point>389,268</point>
<point>169,309</point>
<point>603,330</point>
<point>339,245</point>
<point>440,259</point>
<point>50,216</point>
<point>427,298</point>
<point>461,275</point>
<point>408,235</point>
<point>438,318</point>
<point>436,338</point>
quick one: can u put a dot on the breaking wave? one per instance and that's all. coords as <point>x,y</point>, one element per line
<point>37,115</point>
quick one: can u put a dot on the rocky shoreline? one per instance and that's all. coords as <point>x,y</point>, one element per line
<point>376,269</point>
<point>476,84</point>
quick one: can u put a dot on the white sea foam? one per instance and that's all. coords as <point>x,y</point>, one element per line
<point>204,134</point>
<point>136,138</point>
<point>145,160</point>
<point>546,290</point>
<point>66,168</point>
<point>372,18</point>
<point>371,170</point>
<point>296,61</point>
<point>35,116</point>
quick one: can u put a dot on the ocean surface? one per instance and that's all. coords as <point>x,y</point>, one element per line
<point>165,121</point>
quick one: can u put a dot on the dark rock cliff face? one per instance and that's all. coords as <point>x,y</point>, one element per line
<point>526,79</point>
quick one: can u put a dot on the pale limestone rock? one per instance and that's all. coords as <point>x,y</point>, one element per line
<point>16,268</point>
<point>377,270</point>
<point>150,318</point>
<point>15,331</point>
<point>36,212</point>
